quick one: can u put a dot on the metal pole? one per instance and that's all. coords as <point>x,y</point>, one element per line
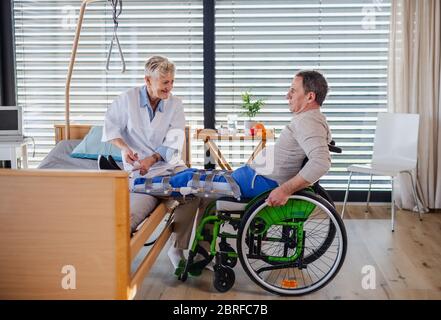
<point>72,63</point>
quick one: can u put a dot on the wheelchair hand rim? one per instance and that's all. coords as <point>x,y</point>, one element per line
<point>306,289</point>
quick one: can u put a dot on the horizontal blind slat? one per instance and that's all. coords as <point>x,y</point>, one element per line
<point>44,32</point>
<point>260,46</point>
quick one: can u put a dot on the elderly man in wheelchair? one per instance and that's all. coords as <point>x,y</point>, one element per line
<point>289,238</point>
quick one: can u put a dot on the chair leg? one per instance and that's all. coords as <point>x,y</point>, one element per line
<point>369,194</point>
<point>415,194</point>
<point>346,196</point>
<point>392,210</point>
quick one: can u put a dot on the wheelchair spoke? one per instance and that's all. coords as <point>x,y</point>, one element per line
<point>319,231</point>
<point>314,265</point>
<point>309,274</point>
<point>315,274</point>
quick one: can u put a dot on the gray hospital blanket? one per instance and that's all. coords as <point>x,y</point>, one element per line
<point>59,158</point>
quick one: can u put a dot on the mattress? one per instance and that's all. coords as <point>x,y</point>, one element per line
<point>59,158</point>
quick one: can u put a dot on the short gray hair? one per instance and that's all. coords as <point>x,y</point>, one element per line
<point>158,65</point>
<point>314,81</point>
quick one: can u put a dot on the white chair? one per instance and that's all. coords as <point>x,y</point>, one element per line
<point>395,152</point>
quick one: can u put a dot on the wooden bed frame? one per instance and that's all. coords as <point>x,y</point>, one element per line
<point>66,234</point>
<point>55,219</point>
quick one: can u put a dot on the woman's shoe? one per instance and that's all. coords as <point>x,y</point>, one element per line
<point>113,162</point>
<point>103,163</point>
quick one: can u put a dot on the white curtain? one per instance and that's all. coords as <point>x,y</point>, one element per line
<point>414,87</point>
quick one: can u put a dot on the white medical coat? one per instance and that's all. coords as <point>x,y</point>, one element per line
<point>126,119</point>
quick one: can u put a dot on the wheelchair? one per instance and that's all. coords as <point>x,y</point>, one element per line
<point>291,250</point>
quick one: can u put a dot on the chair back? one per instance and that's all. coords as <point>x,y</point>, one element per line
<point>396,139</point>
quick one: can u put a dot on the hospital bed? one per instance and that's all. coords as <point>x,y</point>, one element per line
<point>58,225</point>
<point>65,234</point>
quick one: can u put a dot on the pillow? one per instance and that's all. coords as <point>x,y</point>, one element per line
<point>91,146</point>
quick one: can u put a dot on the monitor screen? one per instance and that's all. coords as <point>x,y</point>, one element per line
<point>8,119</point>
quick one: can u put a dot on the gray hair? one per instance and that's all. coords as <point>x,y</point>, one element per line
<point>158,65</point>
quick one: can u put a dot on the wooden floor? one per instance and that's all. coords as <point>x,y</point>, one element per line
<point>407,264</point>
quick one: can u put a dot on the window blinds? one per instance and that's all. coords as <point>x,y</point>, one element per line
<point>44,32</point>
<point>260,45</point>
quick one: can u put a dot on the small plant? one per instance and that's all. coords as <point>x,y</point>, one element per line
<point>251,108</point>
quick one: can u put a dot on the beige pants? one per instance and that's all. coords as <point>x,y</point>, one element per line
<point>141,205</point>
<point>184,218</point>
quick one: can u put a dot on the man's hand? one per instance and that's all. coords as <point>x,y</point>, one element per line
<point>146,163</point>
<point>278,197</point>
<point>130,156</point>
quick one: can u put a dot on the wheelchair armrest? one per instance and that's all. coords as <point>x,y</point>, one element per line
<point>332,148</point>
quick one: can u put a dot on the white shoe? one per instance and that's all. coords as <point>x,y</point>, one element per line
<point>175,255</point>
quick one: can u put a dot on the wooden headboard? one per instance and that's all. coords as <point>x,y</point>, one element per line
<point>79,131</point>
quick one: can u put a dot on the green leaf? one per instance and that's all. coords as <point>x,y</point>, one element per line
<point>251,108</point>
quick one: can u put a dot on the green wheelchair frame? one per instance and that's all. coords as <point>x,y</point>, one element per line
<point>253,224</point>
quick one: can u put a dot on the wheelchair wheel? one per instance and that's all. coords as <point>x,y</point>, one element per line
<point>294,249</point>
<point>323,193</point>
<point>223,278</point>
<point>325,242</point>
<point>330,228</point>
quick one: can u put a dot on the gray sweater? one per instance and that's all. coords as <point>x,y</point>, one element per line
<point>307,135</point>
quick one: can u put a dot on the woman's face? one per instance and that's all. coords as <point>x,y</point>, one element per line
<point>160,86</point>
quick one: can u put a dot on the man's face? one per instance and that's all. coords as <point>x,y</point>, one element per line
<point>296,96</point>
<point>160,86</point>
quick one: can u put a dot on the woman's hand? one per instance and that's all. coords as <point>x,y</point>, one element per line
<point>130,156</point>
<point>277,197</point>
<point>145,164</point>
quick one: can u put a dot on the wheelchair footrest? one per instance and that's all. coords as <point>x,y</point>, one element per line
<point>192,268</point>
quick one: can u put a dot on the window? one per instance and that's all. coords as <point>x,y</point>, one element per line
<point>44,32</point>
<point>261,44</point>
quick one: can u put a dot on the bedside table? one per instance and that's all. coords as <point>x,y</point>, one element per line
<point>16,152</point>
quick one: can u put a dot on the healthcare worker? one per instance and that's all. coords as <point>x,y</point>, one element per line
<point>148,124</point>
